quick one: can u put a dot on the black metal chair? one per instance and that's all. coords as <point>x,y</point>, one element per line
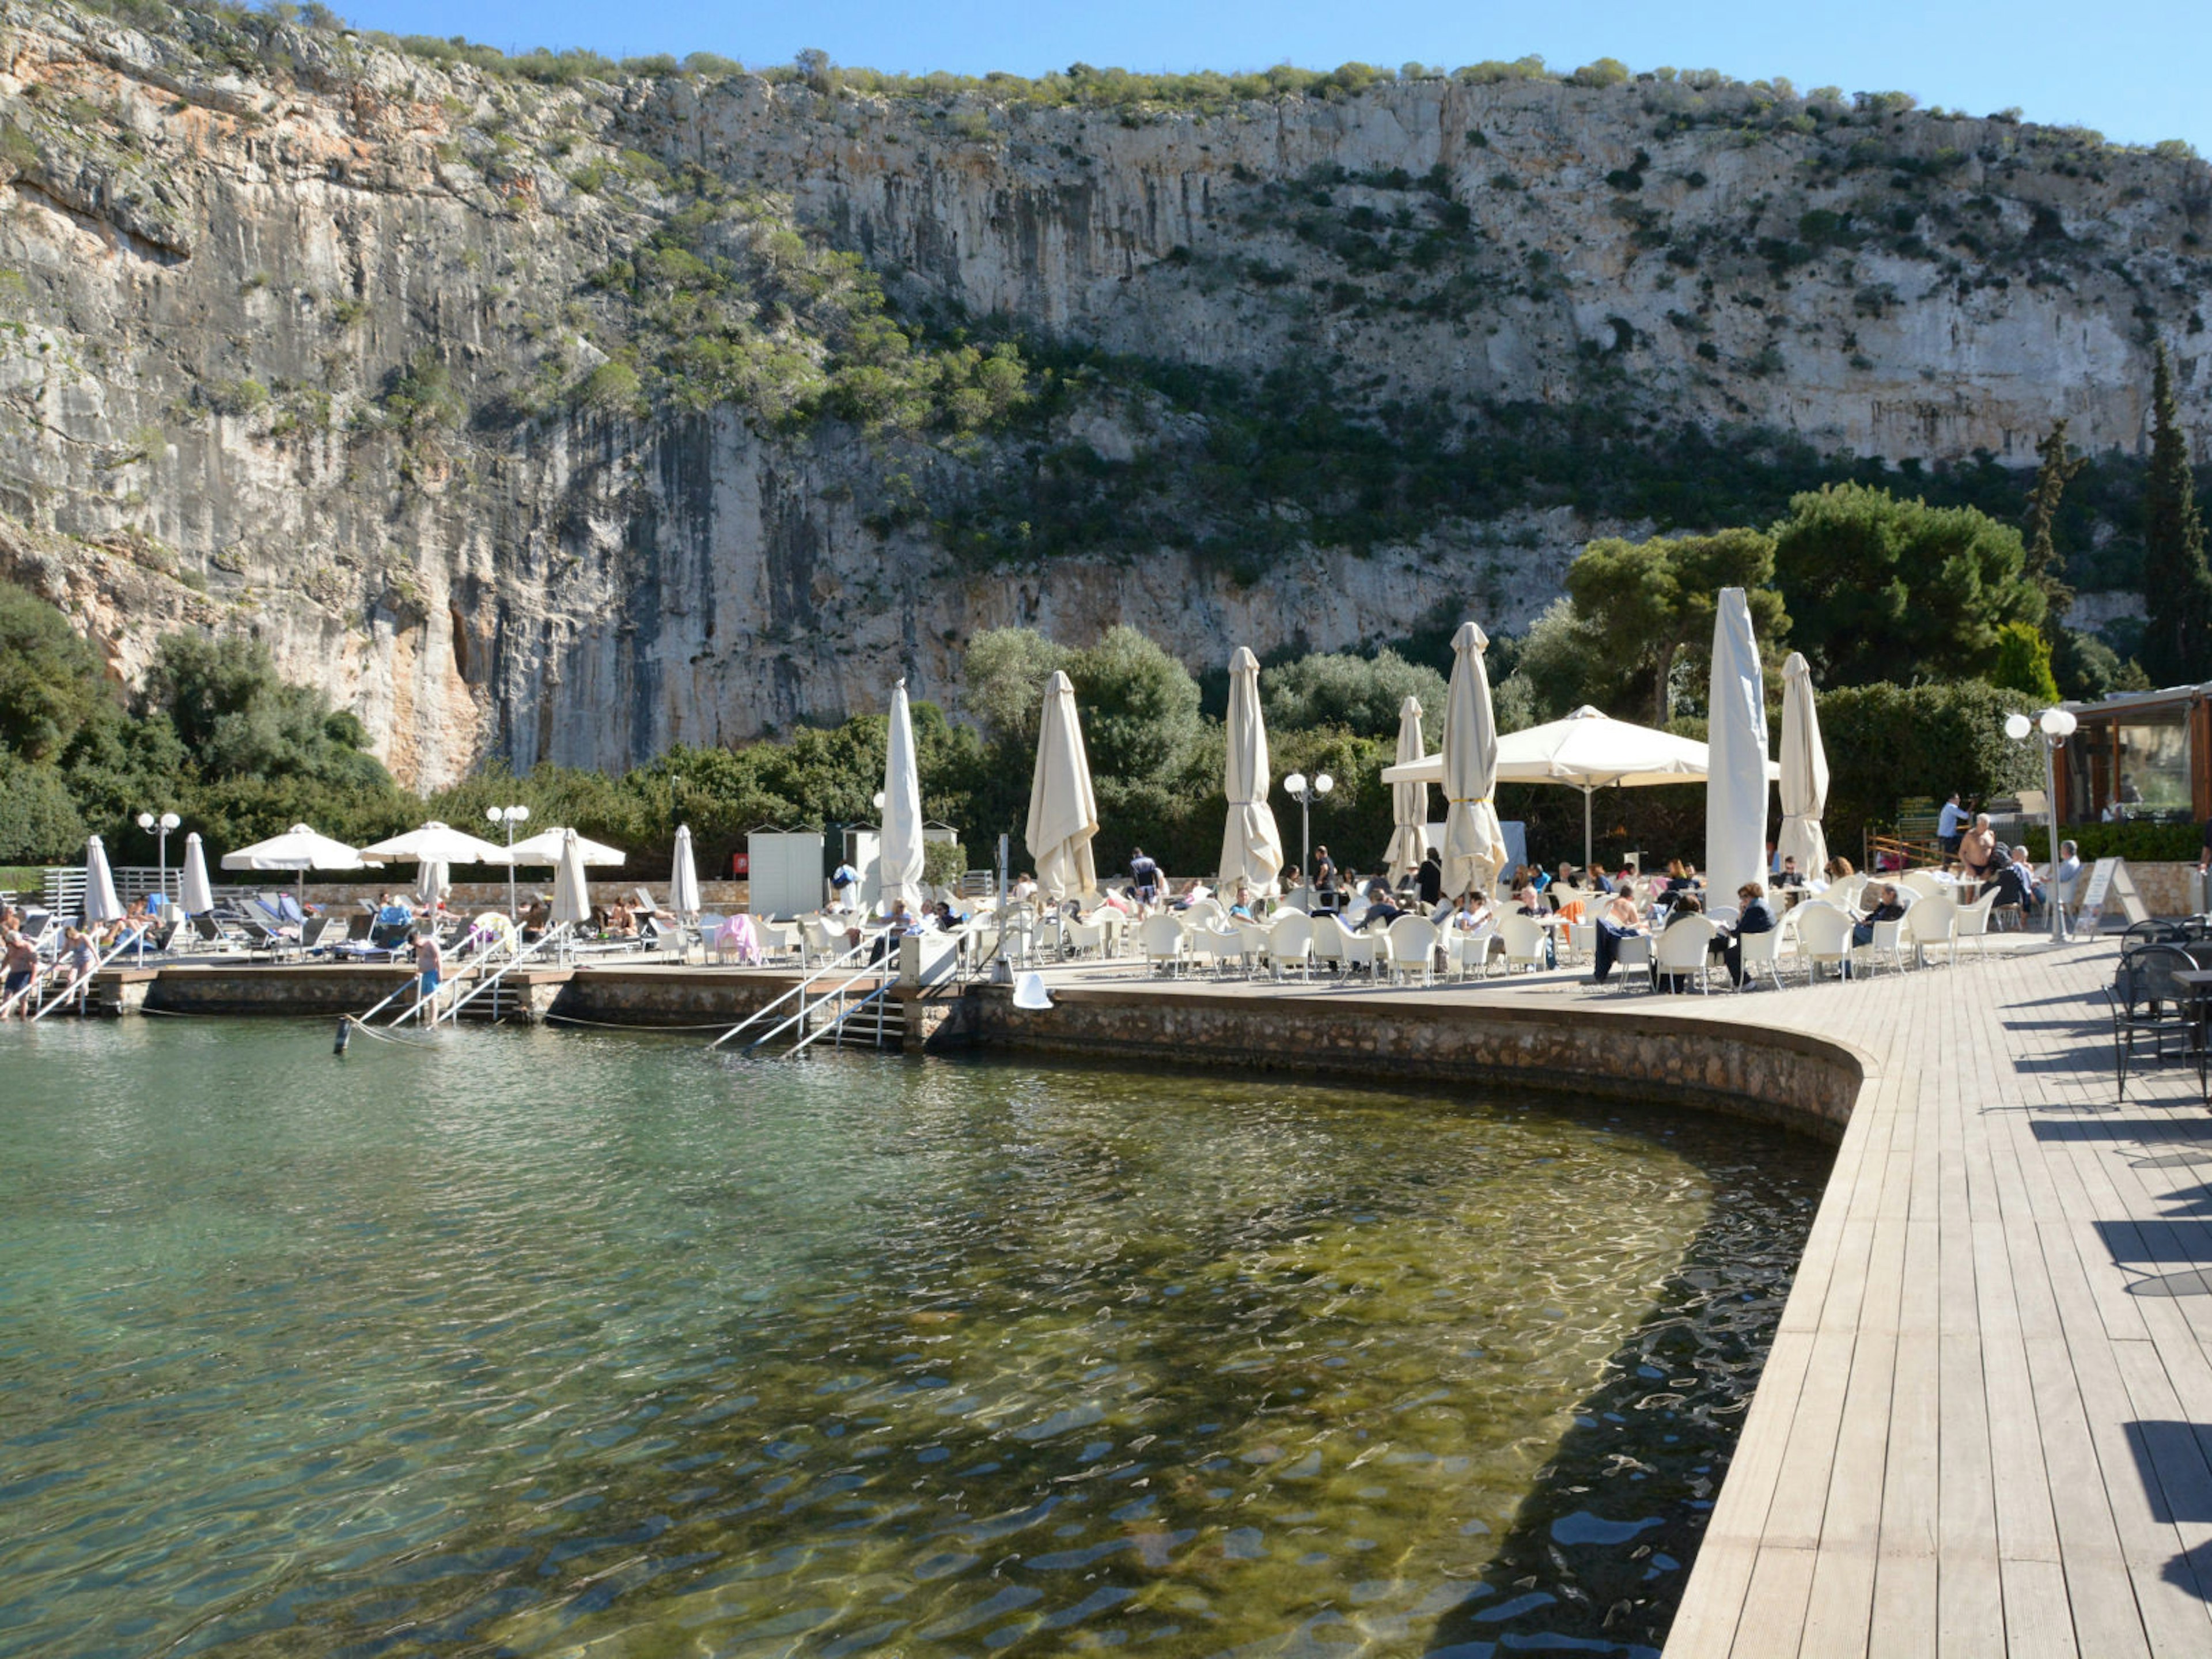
<point>2147,1000</point>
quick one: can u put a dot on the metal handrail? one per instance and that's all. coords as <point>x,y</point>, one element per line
<point>837,1025</point>
<point>476,988</point>
<point>405,985</point>
<point>804,1009</point>
<point>797,990</point>
<point>80,987</point>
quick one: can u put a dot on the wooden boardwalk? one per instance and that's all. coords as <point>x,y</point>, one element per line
<point>1986,1427</point>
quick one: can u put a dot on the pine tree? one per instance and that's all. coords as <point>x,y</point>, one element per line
<point>2044,567</point>
<point>2177,646</point>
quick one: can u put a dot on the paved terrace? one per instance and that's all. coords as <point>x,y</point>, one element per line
<point>1986,1424</point>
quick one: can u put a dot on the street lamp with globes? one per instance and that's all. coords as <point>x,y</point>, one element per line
<point>509,816</point>
<point>2054,725</point>
<point>160,826</point>
<point>1306,792</point>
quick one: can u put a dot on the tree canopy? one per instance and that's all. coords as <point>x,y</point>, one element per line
<point>1648,607</point>
<point>1885,589</point>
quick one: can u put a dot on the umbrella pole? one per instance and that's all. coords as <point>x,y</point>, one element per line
<point>1586,829</point>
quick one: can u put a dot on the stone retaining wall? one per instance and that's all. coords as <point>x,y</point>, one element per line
<point>1802,1083</point>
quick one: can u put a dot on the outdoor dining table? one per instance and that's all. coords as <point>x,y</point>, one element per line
<point>2199,982</point>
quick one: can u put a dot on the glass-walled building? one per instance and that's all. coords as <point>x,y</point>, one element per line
<point>2139,755</point>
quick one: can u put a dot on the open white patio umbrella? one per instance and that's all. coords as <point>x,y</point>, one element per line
<point>1586,750</point>
<point>1251,845</point>
<point>1063,810</point>
<point>195,897</point>
<point>683,876</point>
<point>900,850</point>
<point>1474,844</point>
<point>1804,771</point>
<point>545,849</point>
<point>434,844</point>
<point>1409,797</point>
<point>299,850</point>
<point>100,901</point>
<point>571,888</point>
<point>1735,787</point>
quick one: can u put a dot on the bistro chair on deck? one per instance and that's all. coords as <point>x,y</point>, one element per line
<point>2147,1000</point>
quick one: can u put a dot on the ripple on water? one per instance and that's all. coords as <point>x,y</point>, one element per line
<point>541,1343</point>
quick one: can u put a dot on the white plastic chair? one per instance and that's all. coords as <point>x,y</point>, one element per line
<point>1290,939</point>
<point>1932,921</point>
<point>1362,949</point>
<point>1413,948</point>
<point>1685,948</point>
<point>1761,952</point>
<point>1471,950</point>
<point>1973,923</point>
<point>1166,945</point>
<point>1081,936</point>
<point>1925,883</point>
<point>1328,943</point>
<point>1223,944</point>
<point>1524,942</point>
<point>1886,944</point>
<point>1824,938</point>
<point>1578,942</point>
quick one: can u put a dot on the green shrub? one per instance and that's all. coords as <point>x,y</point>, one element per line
<point>942,863</point>
<point>235,398</point>
<point>2141,843</point>
<point>39,822</point>
<point>1886,742</point>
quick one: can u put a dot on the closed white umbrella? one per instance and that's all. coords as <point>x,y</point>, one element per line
<point>299,850</point>
<point>571,888</point>
<point>545,849</point>
<point>1409,797</point>
<point>99,902</point>
<point>899,851</point>
<point>1063,810</point>
<point>1735,787</point>
<point>1251,845</point>
<point>432,881</point>
<point>684,876</point>
<point>1804,771</point>
<point>194,896</point>
<point>1474,843</point>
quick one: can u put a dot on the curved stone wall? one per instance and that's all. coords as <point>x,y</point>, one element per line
<point>1804,1083</point>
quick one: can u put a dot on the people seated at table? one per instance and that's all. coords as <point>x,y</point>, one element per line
<point>948,919</point>
<point>1686,904</point>
<point>1978,848</point>
<point>1242,903</point>
<point>1473,914</point>
<point>1617,919</point>
<point>1530,904</point>
<point>2070,862</point>
<point>1890,907</point>
<point>1382,908</point>
<point>1754,915</point>
<point>1789,875</point>
<point>1023,889</point>
<point>2014,882</point>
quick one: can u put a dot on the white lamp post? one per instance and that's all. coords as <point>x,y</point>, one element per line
<point>161,827</point>
<point>1306,792</point>
<point>2054,726</point>
<point>509,816</point>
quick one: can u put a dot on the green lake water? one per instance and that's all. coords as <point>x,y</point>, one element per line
<point>555,1343</point>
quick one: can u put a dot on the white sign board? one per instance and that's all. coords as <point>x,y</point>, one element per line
<point>2109,880</point>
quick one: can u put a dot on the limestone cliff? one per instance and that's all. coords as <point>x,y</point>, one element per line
<point>304,334</point>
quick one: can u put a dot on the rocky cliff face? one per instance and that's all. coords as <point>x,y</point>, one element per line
<point>299,334</point>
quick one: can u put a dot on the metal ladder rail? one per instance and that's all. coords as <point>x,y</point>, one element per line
<point>405,985</point>
<point>836,1027</point>
<point>78,989</point>
<point>478,987</point>
<point>805,1008</point>
<point>797,990</point>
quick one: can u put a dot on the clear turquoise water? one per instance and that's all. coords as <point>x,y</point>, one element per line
<point>554,1343</point>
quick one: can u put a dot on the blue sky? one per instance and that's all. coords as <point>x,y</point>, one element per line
<point>2133,70</point>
